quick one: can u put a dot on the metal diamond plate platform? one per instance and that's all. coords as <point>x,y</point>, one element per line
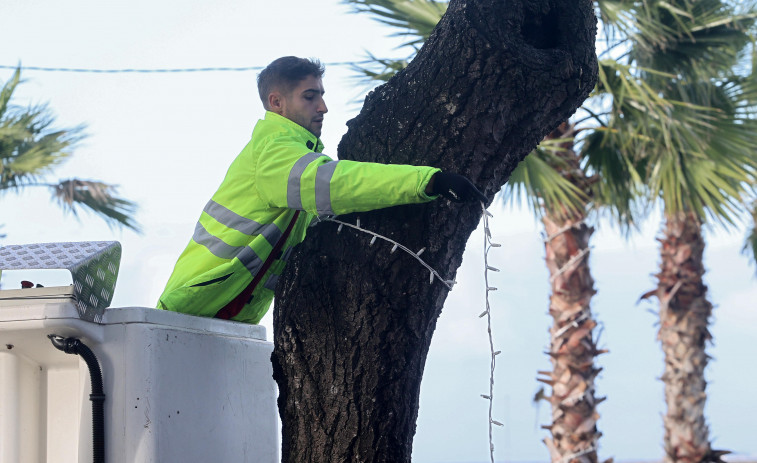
<point>93,266</point>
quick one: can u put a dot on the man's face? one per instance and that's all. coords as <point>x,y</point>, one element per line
<point>304,105</point>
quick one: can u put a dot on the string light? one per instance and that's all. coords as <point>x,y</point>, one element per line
<point>488,245</point>
<point>433,274</point>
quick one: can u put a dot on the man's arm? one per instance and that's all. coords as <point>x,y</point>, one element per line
<point>287,177</point>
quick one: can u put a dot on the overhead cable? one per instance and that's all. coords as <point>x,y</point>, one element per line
<point>163,70</point>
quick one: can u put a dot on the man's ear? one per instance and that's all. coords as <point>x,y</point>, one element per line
<point>276,102</point>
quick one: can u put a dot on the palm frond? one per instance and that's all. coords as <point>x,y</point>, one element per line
<point>378,71</point>
<point>537,182</point>
<point>610,156</point>
<point>30,149</point>
<point>98,198</point>
<point>381,70</point>
<point>711,167</point>
<point>416,18</point>
<point>616,18</point>
<point>7,91</point>
<point>691,38</point>
<point>631,97</point>
<point>27,153</point>
<point>687,129</point>
<point>632,120</point>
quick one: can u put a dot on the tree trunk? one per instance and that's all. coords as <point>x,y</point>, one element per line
<point>572,343</point>
<point>684,317</point>
<point>353,322</point>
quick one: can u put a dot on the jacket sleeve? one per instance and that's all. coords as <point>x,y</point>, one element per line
<point>287,175</point>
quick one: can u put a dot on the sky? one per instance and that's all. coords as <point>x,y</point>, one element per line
<point>167,140</point>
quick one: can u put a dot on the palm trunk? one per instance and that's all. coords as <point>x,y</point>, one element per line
<point>684,317</point>
<point>572,344</point>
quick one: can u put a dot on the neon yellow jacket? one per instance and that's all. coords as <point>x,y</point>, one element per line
<point>280,171</point>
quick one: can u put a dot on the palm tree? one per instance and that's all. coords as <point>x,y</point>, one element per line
<point>30,149</point>
<point>573,344</point>
<point>702,172</point>
<point>573,177</point>
<point>694,152</point>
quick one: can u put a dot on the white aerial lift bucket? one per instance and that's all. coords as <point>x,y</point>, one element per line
<point>177,388</point>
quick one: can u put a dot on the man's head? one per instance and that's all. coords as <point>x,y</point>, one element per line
<point>292,87</point>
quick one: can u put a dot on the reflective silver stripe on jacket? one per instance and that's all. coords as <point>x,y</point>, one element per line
<point>250,260</point>
<point>323,188</point>
<point>231,219</point>
<point>271,283</point>
<point>220,249</point>
<point>294,200</point>
<point>273,279</point>
<point>271,233</point>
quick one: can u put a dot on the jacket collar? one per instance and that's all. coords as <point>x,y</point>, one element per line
<point>311,141</point>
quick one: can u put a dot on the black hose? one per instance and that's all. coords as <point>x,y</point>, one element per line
<point>74,346</point>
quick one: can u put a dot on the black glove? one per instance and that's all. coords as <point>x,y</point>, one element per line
<point>456,188</point>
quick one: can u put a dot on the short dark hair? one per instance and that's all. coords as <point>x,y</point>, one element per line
<point>285,73</point>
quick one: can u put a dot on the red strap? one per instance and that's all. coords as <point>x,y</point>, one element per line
<point>233,308</point>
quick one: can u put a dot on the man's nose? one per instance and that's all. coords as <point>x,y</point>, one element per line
<point>322,107</point>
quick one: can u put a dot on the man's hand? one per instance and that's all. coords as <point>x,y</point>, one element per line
<point>455,188</point>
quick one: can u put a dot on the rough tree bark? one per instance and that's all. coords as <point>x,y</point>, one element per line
<point>353,323</point>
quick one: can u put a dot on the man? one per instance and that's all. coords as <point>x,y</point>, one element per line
<point>272,192</point>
